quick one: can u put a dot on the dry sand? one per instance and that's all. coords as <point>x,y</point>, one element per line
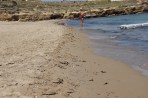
<point>46,60</point>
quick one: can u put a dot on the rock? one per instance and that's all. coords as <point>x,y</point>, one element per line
<point>91,80</point>
<point>16,84</point>
<point>103,71</point>
<point>61,23</point>
<point>64,62</point>
<point>56,16</point>
<point>105,83</point>
<point>91,14</point>
<point>15,17</point>
<point>60,66</point>
<point>108,12</point>
<point>11,63</point>
<point>145,8</point>
<point>72,15</point>
<point>50,93</point>
<point>58,81</point>
<point>9,10</point>
<point>70,91</point>
<point>77,65</point>
<point>44,17</point>
<point>4,17</point>
<point>133,9</point>
<point>83,61</point>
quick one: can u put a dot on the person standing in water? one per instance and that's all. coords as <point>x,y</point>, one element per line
<point>81,17</point>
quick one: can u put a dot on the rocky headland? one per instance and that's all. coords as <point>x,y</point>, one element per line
<point>37,11</point>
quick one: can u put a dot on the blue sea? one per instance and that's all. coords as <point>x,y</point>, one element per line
<point>126,45</point>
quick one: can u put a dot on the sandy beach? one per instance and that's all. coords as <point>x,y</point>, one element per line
<point>46,60</point>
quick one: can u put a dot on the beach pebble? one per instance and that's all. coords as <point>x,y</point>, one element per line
<point>64,62</point>
<point>103,71</point>
<point>70,91</point>
<point>105,83</point>
<point>58,81</point>
<point>77,65</point>
<point>91,80</point>
<point>50,93</point>
<point>83,61</point>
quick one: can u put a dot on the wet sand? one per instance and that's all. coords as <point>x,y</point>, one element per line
<point>107,47</point>
<point>46,60</point>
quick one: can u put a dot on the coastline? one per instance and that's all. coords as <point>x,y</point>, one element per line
<point>39,11</point>
<point>63,65</point>
<point>104,77</point>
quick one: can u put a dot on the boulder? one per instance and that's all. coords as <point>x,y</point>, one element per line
<point>71,15</point>
<point>145,8</point>
<point>5,17</point>
<point>93,13</point>
<point>56,16</point>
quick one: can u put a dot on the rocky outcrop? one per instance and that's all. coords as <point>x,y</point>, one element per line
<point>15,15</point>
<point>145,8</point>
<point>110,12</point>
<point>56,16</point>
<point>71,15</point>
<point>5,17</point>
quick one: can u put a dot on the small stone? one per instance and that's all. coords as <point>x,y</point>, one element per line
<point>10,63</point>
<point>58,81</point>
<point>50,93</point>
<point>91,80</point>
<point>16,83</point>
<point>83,61</point>
<point>98,94</point>
<point>64,62</point>
<point>61,23</point>
<point>105,83</point>
<point>70,91</point>
<point>62,67</point>
<point>103,71</point>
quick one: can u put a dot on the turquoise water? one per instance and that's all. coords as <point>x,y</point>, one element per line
<point>129,45</point>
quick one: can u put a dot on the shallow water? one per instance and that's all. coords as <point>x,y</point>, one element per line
<point>129,46</point>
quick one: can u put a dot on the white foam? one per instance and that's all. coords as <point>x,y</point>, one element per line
<point>132,26</point>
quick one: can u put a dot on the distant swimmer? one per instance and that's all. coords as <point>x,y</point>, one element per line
<point>81,16</point>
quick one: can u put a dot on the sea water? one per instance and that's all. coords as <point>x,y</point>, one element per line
<point>125,45</point>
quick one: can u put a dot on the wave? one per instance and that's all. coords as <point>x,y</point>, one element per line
<point>132,26</point>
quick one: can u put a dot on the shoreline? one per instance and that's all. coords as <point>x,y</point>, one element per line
<point>51,60</point>
<point>111,46</point>
<point>117,79</point>
<point>128,55</point>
